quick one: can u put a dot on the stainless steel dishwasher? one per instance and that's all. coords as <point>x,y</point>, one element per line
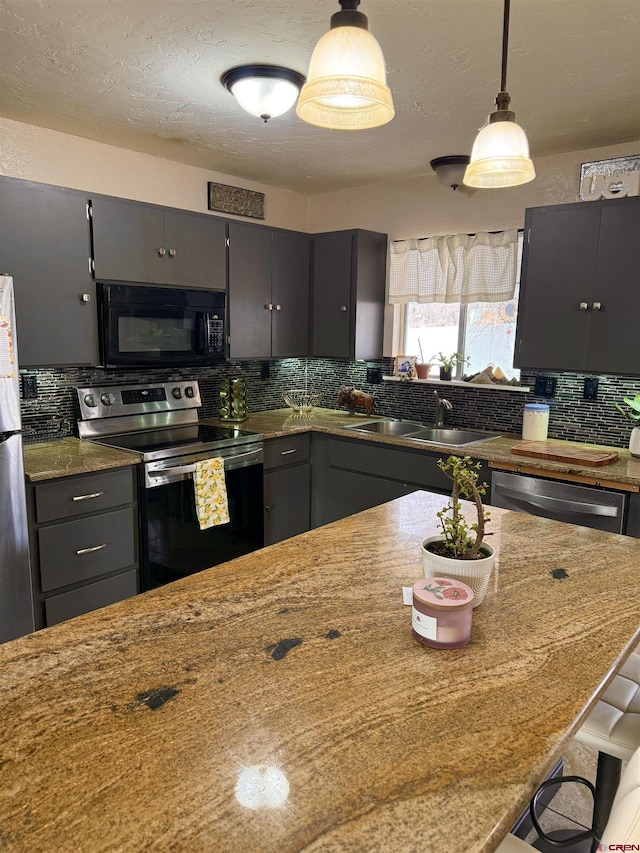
<point>583,505</point>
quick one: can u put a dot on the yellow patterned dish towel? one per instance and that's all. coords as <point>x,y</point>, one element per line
<point>210,493</point>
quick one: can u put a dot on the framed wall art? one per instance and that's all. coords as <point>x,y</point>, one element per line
<point>405,366</point>
<point>240,202</point>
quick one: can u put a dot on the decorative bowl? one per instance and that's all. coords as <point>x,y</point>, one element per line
<point>301,400</point>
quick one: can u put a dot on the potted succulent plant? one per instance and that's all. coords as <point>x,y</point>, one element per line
<point>632,412</point>
<point>448,362</point>
<point>460,551</point>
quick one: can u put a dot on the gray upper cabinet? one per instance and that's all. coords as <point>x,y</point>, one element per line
<point>580,295</point>
<point>45,246</point>
<point>146,243</point>
<point>348,284</point>
<point>268,292</point>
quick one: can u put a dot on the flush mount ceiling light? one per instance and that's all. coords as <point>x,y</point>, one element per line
<point>500,154</point>
<point>346,87</point>
<point>450,170</point>
<point>263,90</point>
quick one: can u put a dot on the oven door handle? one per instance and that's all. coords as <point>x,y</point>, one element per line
<point>190,469</point>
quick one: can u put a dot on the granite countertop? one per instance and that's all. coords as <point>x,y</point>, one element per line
<point>624,472</point>
<point>279,703</point>
<point>70,456</point>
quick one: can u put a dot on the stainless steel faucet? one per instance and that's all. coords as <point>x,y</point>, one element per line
<point>442,405</point>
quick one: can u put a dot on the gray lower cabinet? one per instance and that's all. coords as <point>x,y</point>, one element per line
<point>45,246</point>
<point>147,243</point>
<point>287,487</point>
<point>633,519</point>
<point>84,543</point>
<point>351,475</point>
<point>348,285</point>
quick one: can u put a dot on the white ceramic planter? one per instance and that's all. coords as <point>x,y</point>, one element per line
<point>475,573</point>
<point>634,441</point>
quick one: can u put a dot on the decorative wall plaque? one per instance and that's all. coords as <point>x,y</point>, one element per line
<point>235,200</point>
<point>610,178</point>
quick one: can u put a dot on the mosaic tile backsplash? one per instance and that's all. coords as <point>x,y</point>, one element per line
<point>54,413</point>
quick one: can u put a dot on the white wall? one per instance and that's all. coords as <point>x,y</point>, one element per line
<point>422,206</point>
<point>38,154</point>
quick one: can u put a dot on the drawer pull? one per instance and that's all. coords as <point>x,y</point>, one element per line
<point>287,452</point>
<point>91,550</point>
<point>87,497</point>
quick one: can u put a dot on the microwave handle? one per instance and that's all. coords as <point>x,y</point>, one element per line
<point>202,332</point>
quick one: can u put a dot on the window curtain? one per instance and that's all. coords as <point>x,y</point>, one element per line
<point>458,268</point>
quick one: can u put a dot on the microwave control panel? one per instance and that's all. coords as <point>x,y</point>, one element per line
<point>215,334</point>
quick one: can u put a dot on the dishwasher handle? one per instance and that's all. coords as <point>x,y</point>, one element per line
<point>547,502</point>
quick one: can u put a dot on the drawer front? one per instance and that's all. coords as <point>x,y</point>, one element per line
<point>287,451</point>
<point>79,550</point>
<point>90,597</point>
<point>79,495</point>
<point>417,466</point>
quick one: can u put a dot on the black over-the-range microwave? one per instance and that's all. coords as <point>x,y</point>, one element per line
<point>149,326</point>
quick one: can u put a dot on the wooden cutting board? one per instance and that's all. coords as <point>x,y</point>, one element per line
<point>564,453</point>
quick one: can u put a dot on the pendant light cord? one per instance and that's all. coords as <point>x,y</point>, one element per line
<point>505,45</point>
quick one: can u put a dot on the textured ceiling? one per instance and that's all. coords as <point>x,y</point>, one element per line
<point>145,75</point>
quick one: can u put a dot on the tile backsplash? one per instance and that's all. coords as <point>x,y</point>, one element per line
<point>54,412</point>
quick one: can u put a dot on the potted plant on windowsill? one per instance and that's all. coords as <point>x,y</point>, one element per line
<point>460,551</point>
<point>632,412</point>
<point>448,362</point>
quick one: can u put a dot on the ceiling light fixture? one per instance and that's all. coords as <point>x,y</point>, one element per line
<point>450,170</point>
<point>265,91</point>
<point>346,87</point>
<point>500,154</point>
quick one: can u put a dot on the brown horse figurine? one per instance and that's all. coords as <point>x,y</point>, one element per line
<point>349,398</point>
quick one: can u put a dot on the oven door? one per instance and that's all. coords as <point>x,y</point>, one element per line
<point>173,546</point>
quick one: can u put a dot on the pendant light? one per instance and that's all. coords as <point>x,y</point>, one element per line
<point>346,86</point>
<point>500,154</point>
<point>264,91</point>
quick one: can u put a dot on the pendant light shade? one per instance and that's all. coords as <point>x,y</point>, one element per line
<point>500,154</point>
<point>263,90</point>
<point>346,86</point>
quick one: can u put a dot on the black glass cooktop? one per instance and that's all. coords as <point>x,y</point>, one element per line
<point>194,436</point>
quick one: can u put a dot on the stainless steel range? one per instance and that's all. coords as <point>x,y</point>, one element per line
<point>160,422</point>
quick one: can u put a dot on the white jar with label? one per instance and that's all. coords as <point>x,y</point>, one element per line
<point>535,422</point>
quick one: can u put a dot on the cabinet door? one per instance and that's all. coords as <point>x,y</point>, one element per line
<point>249,291</point>
<point>44,245</point>
<point>558,275</point>
<point>614,339</point>
<point>332,312</point>
<point>287,502</point>
<point>349,492</point>
<point>196,250</point>
<point>290,294</point>
<point>128,241</point>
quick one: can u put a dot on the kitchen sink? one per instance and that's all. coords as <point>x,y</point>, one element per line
<point>397,428</point>
<point>425,433</point>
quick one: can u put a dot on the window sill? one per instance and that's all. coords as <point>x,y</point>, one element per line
<point>457,383</point>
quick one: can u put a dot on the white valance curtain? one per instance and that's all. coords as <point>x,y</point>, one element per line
<point>458,268</point>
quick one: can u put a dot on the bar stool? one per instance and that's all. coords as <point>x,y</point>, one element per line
<point>613,728</point>
<point>623,827</point>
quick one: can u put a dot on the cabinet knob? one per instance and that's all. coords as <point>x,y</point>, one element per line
<point>278,307</point>
<point>162,252</point>
<point>267,508</point>
<point>172,253</point>
<point>269,306</point>
<point>597,306</point>
<point>584,306</point>
<point>343,308</point>
<point>85,297</point>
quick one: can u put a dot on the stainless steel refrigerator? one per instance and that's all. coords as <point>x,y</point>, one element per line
<point>16,595</point>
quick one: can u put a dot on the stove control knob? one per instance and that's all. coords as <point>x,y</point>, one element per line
<point>189,392</point>
<point>177,393</point>
<point>106,399</point>
<point>90,400</point>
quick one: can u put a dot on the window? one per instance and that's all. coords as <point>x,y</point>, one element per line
<point>483,331</point>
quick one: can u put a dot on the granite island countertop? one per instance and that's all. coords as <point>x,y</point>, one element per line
<point>624,473</point>
<point>279,703</point>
